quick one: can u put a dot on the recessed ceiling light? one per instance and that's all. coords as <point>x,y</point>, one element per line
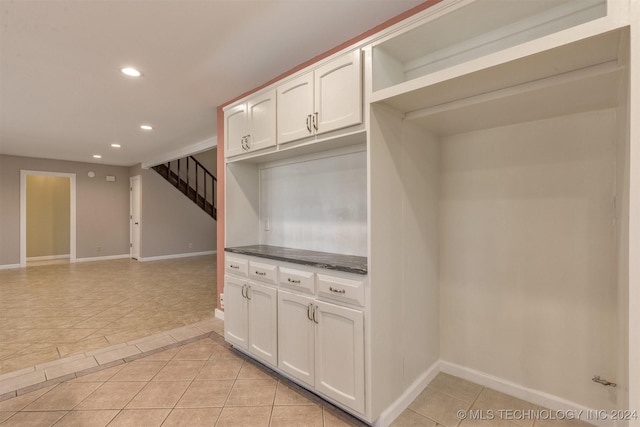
<point>130,71</point>
<point>97,156</point>
<point>115,145</point>
<point>146,127</point>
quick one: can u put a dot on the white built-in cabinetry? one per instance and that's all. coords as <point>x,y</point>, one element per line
<point>251,124</point>
<point>252,323</point>
<point>322,344</point>
<point>322,100</point>
<point>502,145</point>
<point>318,341</point>
<point>325,99</point>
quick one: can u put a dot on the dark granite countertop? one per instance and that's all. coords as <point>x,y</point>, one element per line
<point>347,263</point>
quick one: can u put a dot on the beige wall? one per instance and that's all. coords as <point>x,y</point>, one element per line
<point>527,260</point>
<point>209,160</point>
<point>102,208</point>
<point>171,223</point>
<point>48,215</point>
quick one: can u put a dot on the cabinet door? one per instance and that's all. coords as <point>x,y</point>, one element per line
<point>339,365</point>
<point>263,323</point>
<point>235,128</point>
<point>295,105</point>
<point>338,93</point>
<point>295,336</point>
<point>261,112</point>
<point>235,312</point>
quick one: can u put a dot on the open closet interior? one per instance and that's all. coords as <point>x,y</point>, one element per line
<point>506,196</point>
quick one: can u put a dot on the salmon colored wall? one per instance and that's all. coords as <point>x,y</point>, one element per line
<point>221,169</point>
<point>220,208</point>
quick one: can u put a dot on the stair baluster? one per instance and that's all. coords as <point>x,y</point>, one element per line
<point>171,171</point>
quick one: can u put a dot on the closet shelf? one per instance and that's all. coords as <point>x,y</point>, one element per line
<point>552,83</point>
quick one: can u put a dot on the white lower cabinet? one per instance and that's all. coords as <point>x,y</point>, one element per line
<point>322,344</point>
<point>251,323</point>
<point>296,341</point>
<point>274,313</point>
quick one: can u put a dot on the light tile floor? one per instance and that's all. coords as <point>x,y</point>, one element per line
<point>451,401</point>
<point>206,383</point>
<point>48,312</point>
<point>51,312</point>
<point>203,383</point>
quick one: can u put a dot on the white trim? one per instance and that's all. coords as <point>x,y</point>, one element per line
<point>410,394</point>
<point>9,266</point>
<point>103,258</point>
<point>536,397</point>
<point>189,150</point>
<point>219,314</point>
<point>173,256</point>
<point>48,257</point>
<point>23,212</point>
<point>137,179</point>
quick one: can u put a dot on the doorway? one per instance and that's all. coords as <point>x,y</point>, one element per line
<point>24,216</point>
<point>134,217</point>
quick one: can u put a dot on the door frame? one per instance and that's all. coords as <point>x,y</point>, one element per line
<point>138,203</point>
<point>23,212</point>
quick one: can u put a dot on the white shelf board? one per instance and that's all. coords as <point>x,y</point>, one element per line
<point>500,70</point>
<point>576,77</point>
<point>481,28</point>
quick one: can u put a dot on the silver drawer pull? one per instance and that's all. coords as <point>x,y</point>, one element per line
<point>237,267</point>
<point>261,273</point>
<point>290,280</point>
<point>338,291</point>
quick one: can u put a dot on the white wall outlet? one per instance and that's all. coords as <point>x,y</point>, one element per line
<point>190,245</point>
<point>222,301</point>
<point>267,224</point>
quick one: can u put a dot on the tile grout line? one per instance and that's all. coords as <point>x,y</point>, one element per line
<point>34,385</point>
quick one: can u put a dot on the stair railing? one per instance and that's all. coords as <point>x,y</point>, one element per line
<point>193,179</point>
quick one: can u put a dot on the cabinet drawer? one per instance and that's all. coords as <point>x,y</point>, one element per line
<point>236,265</point>
<point>297,279</point>
<point>341,289</point>
<point>264,272</point>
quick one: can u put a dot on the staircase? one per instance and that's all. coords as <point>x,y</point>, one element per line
<point>193,180</point>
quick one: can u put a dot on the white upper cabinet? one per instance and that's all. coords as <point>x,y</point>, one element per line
<point>338,93</point>
<point>295,103</point>
<point>235,128</point>
<point>251,124</point>
<point>325,99</point>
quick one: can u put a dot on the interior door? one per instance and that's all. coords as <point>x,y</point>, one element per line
<point>134,216</point>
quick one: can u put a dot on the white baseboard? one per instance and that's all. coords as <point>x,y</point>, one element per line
<point>536,397</point>
<point>48,257</point>
<point>219,314</point>
<point>102,258</point>
<point>9,266</point>
<point>392,412</point>
<point>173,256</point>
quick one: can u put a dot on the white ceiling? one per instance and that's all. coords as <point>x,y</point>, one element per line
<point>62,95</point>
